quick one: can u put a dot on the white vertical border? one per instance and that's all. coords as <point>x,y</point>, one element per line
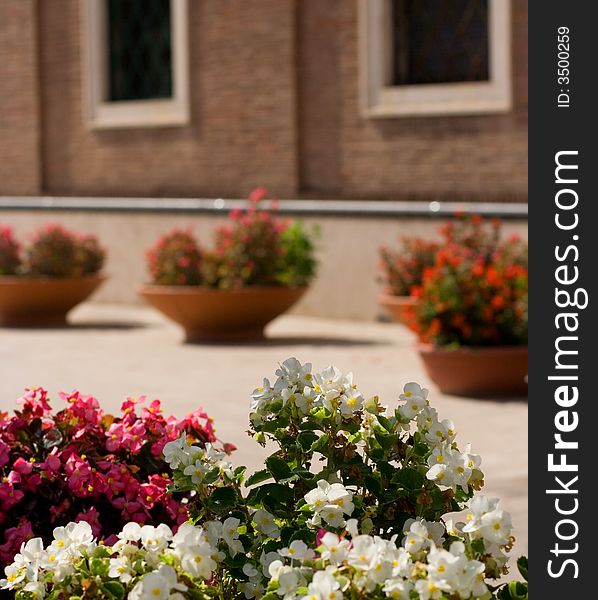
<point>379,99</point>
<point>100,114</point>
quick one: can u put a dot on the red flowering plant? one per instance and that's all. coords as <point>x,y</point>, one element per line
<point>58,252</point>
<point>403,268</point>
<point>475,294</point>
<point>175,259</point>
<point>10,252</point>
<point>81,464</point>
<point>255,248</point>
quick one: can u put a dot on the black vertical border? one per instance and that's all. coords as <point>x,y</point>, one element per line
<point>553,129</point>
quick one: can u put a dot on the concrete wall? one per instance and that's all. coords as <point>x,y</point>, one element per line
<point>19,96</point>
<point>346,286</point>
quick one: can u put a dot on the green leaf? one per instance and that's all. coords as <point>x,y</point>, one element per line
<point>321,444</point>
<point>386,423</point>
<point>258,477</point>
<point>373,485</point>
<point>522,566</point>
<point>99,567</point>
<point>115,589</point>
<point>408,478</point>
<point>211,476</point>
<point>306,440</point>
<point>222,499</point>
<point>278,468</point>
<point>518,590</point>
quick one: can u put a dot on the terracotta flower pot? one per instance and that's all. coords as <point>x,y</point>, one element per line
<point>42,301</point>
<point>397,306</point>
<point>209,315</point>
<point>478,372</point>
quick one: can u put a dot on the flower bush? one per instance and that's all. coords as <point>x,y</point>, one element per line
<point>10,259</point>
<point>175,259</point>
<point>357,501</point>
<point>81,464</point>
<point>256,248</point>
<point>53,252</point>
<point>476,292</point>
<point>403,269</point>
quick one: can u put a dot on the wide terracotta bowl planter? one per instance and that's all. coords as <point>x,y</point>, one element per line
<point>42,301</point>
<point>398,306</point>
<point>478,372</point>
<point>209,315</point>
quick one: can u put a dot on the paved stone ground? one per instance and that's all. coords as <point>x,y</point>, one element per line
<point>116,351</point>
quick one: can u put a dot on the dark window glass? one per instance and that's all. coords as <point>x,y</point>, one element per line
<point>437,41</point>
<point>139,62</point>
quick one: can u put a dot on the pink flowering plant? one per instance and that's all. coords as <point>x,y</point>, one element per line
<point>81,464</point>
<point>255,248</point>
<point>53,251</point>
<point>10,252</point>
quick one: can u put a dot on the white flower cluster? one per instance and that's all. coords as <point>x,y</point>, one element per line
<point>59,558</point>
<point>449,467</point>
<point>364,563</point>
<point>146,557</point>
<point>195,462</point>
<point>330,389</point>
<point>329,502</point>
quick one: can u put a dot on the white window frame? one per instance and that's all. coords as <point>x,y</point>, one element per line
<point>99,113</point>
<point>381,99</point>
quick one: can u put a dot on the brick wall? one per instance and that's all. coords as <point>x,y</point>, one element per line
<point>19,115</point>
<point>274,102</point>
<point>242,131</point>
<point>458,158</point>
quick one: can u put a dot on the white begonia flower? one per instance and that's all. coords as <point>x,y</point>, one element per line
<point>213,531</point>
<point>155,539</point>
<point>323,587</point>
<point>231,536</point>
<point>351,527</point>
<point>414,390</point>
<point>31,555</point>
<point>288,582</point>
<point>317,498</point>
<point>189,535</point>
<point>413,405</point>
<point>121,569</point>
<point>265,524</point>
<point>427,589</point>
<point>437,434</point>
<point>307,400</point>
<point>441,475</point>
<point>298,550</point>
<point>292,372</point>
<point>343,498</point>
<point>478,506</point>
<point>442,454</point>
<point>351,402</point>
<point>397,589</point>
<point>363,552</point>
<point>196,471</point>
<point>198,561</point>
<point>426,418</point>
<point>266,559</point>
<point>14,576</point>
<point>331,514</point>
<point>334,549</point>
<point>175,451</point>
<point>36,588</point>
<point>131,532</point>
<point>496,527</point>
<point>157,585</point>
